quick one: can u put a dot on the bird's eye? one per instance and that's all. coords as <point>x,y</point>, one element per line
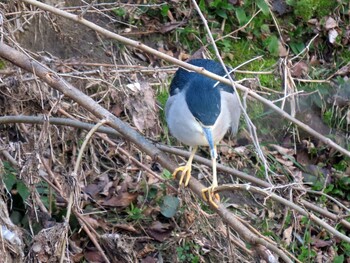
<point>198,121</point>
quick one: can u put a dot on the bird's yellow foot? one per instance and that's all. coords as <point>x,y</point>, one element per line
<point>211,196</point>
<point>185,172</point>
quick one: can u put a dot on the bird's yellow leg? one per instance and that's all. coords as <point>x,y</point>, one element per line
<point>186,170</point>
<point>210,190</point>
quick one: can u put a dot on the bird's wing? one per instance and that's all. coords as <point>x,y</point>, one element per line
<point>234,109</point>
<point>168,105</point>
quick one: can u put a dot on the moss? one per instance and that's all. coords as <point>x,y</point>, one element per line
<point>325,7</point>
<point>345,56</point>
<point>2,64</point>
<point>162,97</point>
<point>255,110</point>
<point>307,9</point>
<point>241,51</point>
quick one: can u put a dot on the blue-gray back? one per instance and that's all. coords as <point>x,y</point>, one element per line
<point>182,76</point>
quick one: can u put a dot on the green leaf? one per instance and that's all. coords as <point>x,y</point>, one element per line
<point>164,11</point>
<point>241,16</point>
<point>166,174</point>
<point>202,5</point>
<point>152,193</point>
<point>338,192</point>
<point>265,29</point>
<point>22,190</point>
<point>119,11</point>
<point>291,2</point>
<point>215,3</point>
<point>263,7</point>
<point>272,45</point>
<point>338,259</point>
<point>222,13</point>
<point>297,47</point>
<point>9,180</point>
<point>169,206</point>
<point>345,182</point>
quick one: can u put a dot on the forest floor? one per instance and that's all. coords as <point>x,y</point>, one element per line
<point>287,187</point>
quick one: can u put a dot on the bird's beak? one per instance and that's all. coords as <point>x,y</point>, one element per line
<point>208,135</point>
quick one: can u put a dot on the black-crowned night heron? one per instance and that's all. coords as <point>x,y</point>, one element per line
<point>198,112</point>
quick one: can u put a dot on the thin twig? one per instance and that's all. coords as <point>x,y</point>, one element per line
<point>75,180</point>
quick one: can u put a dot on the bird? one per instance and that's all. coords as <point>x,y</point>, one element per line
<point>199,112</point>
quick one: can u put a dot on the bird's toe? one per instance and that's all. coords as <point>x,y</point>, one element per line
<point>210,196</point>
<point>185,172</point>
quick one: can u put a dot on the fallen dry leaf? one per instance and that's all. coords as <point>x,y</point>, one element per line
<point>299,69</point>
<point>159,231</point>
<point>282,51</point>
<point>287,235</point>
<point>92,222</point>
<point>343,71</point>
<point>146,250</point>
<point>285,163</point>
<point>121,200</point>
<point>283,150</point>
<point>332,35</point>
<point>319,243</point>
<point>167,27</point>
<point>93,256</point>
<point>126,227</point>
<point>93,189</point>
<point>141,104</point>
<point>330,23</point>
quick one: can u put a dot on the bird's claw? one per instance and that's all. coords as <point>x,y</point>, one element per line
<point>211,196</point>
<point>185,171</point>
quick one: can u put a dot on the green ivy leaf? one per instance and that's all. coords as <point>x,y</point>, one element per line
<point>169,206</point>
